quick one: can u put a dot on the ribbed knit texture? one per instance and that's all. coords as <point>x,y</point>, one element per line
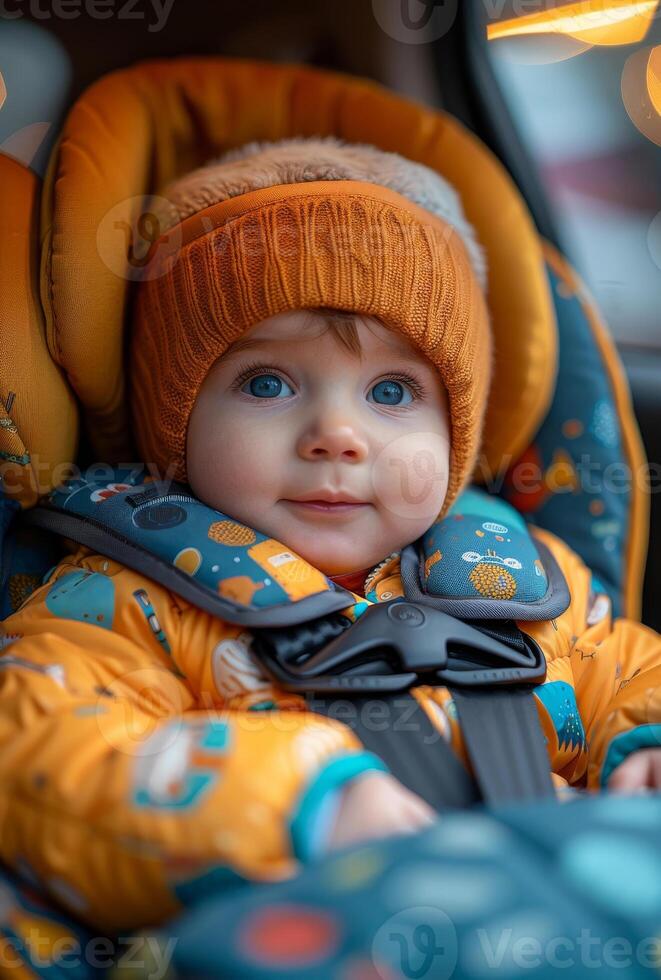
<point>301,159</point>
<point>341,244</point>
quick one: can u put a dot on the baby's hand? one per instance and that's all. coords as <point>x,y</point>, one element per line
<point>640,770</point>
<point>377,805</point>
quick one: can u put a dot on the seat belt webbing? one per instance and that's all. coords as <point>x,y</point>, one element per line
<point>505,743</point>
<point>415,751</point>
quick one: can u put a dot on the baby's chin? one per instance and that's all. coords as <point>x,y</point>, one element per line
<point>340,548</point>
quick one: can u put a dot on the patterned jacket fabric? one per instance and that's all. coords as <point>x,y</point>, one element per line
<point>143,750</point>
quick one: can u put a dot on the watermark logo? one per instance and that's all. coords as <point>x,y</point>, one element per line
<point>415,21</point>
<point>415,943</point>
<point>511,951</point>
<point>410,475</point>
<point>141,955</point>
<point>130,240</point>
<point>154,13</point>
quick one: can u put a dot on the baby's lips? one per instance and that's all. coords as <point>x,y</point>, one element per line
<point>327,497</point>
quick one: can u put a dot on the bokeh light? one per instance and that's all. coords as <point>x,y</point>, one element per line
<point>641,91</point>
<point>589,22</point>
<point>654,78</point>
<point>539,49</point>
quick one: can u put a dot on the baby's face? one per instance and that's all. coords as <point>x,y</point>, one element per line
<point>341,457</point>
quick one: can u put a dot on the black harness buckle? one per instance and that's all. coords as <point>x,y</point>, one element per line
<point>394,646</point>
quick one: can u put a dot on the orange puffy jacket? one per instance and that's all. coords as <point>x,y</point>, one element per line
<point>144,756</point>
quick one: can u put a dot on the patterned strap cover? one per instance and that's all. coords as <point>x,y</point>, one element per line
<point>481,557</point>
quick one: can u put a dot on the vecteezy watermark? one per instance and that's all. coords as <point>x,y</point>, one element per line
<point>131,242</point>
<point>601,11</point>
<point>155,12</point>
<point>589,474</point>
<point>415,943</point>
<point>415,21</point>
<point>129,727</point>
<point>141,238</point>
<point>41,475</point>
<point>424,21</point>
<point>510,948</point>
<point>410,475</point>
<point>151,955</point>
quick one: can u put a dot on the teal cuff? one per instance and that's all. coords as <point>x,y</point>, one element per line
<point>308,825</point>
<point>641,737</point>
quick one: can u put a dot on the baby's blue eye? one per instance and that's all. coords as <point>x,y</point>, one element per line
<point>391,392</point>
<point>267,386</point>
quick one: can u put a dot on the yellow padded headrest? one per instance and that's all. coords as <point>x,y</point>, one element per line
<point>137,129</point>
<point>38,414</point>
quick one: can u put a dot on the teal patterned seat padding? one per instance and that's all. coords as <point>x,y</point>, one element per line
<point>583,494</point>
<point>167,534</point>
<point>26,554</point>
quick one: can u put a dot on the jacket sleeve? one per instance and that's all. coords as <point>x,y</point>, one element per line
<point>131,779</point>
<point>614,666</point>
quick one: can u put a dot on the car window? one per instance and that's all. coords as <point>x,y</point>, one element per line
<point>590,114</point>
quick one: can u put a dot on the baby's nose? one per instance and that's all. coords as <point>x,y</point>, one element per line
<point>337,440</point>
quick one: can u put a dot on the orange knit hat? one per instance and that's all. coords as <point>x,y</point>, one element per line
<point>231,257</point>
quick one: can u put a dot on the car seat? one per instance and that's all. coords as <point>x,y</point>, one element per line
<point>72,249</point>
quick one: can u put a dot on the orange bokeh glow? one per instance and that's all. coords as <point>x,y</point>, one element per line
<point>654,78</point>
<point>641,91</point>
<point>601,22</point>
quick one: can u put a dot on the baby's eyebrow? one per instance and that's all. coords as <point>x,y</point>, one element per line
<point>386,350</point>
<point>412,357</point>
<point>404,355</point>
<point>245,343</point>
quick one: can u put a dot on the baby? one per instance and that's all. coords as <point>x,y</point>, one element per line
<point>321,333</point>
<point>314,412</point>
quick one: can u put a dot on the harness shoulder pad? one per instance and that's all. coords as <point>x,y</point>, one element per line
<point>482,562</point>
<point>213,561</point>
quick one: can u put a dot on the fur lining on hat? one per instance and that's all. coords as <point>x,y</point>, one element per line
<point>292,161</point>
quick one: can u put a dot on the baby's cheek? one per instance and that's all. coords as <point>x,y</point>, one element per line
<point>233,467</point>
<point>410,476</point>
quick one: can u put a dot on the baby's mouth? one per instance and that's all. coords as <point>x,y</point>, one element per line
<point>326,503</point>
<point>324,507</point>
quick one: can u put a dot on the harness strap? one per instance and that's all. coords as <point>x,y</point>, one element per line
<point>503,723</point>
<point>397,728</point>
<point>505,744</point>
